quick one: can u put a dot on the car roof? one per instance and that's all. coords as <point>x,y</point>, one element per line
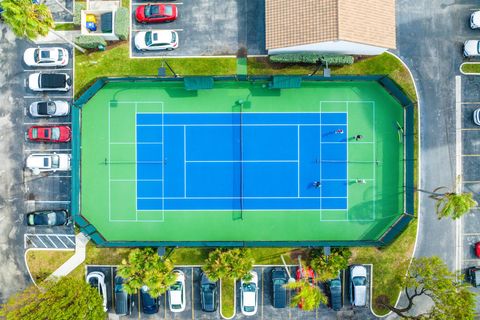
<point>175,297</point>
<point>161,36</point>
<point>249,298</point>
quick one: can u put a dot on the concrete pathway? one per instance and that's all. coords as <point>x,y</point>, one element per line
<point>77,259</point>
<point>58,37</point>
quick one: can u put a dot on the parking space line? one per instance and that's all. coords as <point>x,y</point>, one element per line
<point>471,155</point>
<point>263,276</point>
<point>470,181</point>
<point>53,176</point>
<point>471,234</point>
<point>47,70</point>
<point>46,150</point>
<point>47,123</point>
<point>48,201</point>
<point>150,29</point>
<point>470,129</point>
<point>43,96</point>
<point>61,241</point>
<point>193,298</point>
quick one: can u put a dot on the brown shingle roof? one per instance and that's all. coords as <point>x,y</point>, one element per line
<point>311,21</point>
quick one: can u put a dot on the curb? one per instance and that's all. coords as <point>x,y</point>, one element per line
<point>468,73</point>
<point>234,300</point>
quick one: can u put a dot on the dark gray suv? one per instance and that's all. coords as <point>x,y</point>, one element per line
<point>279,293</point>
<point>123,302</point>
<point>208,294</point>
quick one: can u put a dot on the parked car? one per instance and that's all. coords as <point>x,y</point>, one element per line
<point>49,133</point>
<point>156,12</point>
<point>473,276</point>
<point>149,304</point>
<point>279,293</point>
<point>208,294</point>
<point>48,162</point>
<point>123,302</point>
<point>49,108</point>
<point>176,293</point>
<point>475,20</point>
<point>46,57</point>
<point>40,81</point>
<point>358,286</point>
<point>249,295</point>
<point>471,48</point>
<point>156,40</point>
<point>96,279</point>
<point>477,249</point>
<point>308,274</point>
<point>335,293</point>
<point>47,218</point>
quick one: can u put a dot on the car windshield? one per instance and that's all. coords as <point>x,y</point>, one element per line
<point>249,287</point>
<point>60,55</point>
<point>174,37</point>
<point>278,282</point>
<point>51,108</point>
<point>36,55</point>
<point>55,134</point>
<point>55,161</point>
<point>168,11</point>
<point>148,38</point>
<point>359,281</point>
<point>335,283</point>
<point>176,306</point>
<point>176,287</point>
<point>151,11</point>
<point>34,133</point>
<point>208,287</point>
<point>249,308</point>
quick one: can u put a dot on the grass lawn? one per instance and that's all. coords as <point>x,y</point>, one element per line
<point>66,27</point>
<point>382,64</point>
<point>42,263</point>
<point>228,304</point>
<point>470,67</point>
<point>115,62</point>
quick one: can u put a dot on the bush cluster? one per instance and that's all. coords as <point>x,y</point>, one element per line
<point>122,23</point>
<point>312,58</point>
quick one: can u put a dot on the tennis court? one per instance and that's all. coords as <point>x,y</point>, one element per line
<point>242,162</point>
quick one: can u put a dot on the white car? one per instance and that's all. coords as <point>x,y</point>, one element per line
<point>476,116</point>
<point>156,40</point>
<point>49,82</point>
<point>249,295</point>
<point>96,279</point>
<point>471,48</point>
<point>358,286</point>
<point>176,293</point>
<point>48,162</point>
<point>46,57</point>
<point>475,20</point>
<point>49,108</point>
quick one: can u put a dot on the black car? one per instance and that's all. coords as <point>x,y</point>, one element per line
<point>473,276</point>
<point>123,304</point>
<point>208,294</point>
<point>335,293</point>
<point>149,304</point>
<point>279,293</point>
<point>47,218</point>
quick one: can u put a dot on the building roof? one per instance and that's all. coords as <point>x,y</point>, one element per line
<point>369,22</point>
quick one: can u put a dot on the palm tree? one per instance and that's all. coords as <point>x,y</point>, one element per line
<point>26,19</point>
<point>451,204</point>
<point>308,296</point>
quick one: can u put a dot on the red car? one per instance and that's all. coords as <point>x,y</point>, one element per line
<point>477,249</point>
<point>305,273</point>
<point>50,133</point>
<point>151,13</point>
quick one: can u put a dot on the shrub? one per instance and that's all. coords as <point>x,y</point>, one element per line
<point>90,42</point>
<point>307,57</point>
<point>79,6</point>
<point>312,57</point>
<point>336,60</point>
<point>121,23</point>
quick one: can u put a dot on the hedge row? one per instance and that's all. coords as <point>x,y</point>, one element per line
<point>122,22</point>
<point>90,42</point>
<point>312,57</point>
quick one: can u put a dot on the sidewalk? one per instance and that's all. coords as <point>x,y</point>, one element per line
<point>77,259</point>
<point>56,37</point>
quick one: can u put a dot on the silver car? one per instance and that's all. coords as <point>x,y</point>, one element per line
<point>156,40</point>
<point>358,286</point>
<point>48,162</point>
<point>49,108</point>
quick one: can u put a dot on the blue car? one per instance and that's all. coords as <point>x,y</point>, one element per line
<point>149,303</point>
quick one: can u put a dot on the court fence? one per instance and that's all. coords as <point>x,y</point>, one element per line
<point>388,236</point>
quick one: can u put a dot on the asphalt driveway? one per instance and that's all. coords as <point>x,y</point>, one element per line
<point>210,28</point>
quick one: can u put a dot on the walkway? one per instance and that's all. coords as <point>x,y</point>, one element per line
<point>77,259</point>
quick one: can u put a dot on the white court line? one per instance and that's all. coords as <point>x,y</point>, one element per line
<point>184,161</point>
<point>134,180</point>
<point>235,198</point>
<point>347,146</point>
<point>373,165</point>
<point>136,168</point>
<point>298,161</point>
<point>135,143</point>
<point>109,168</point>
<point>242,161</point>
<point>320,165</point>
<point>237,125</point>
<point>163,163</point>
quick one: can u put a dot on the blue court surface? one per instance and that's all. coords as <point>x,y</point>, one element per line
<point>241,161</point>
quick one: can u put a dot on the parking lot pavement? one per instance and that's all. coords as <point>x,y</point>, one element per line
<point>265,308</point>
<point>210,28</point>
<point>57,7</point>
